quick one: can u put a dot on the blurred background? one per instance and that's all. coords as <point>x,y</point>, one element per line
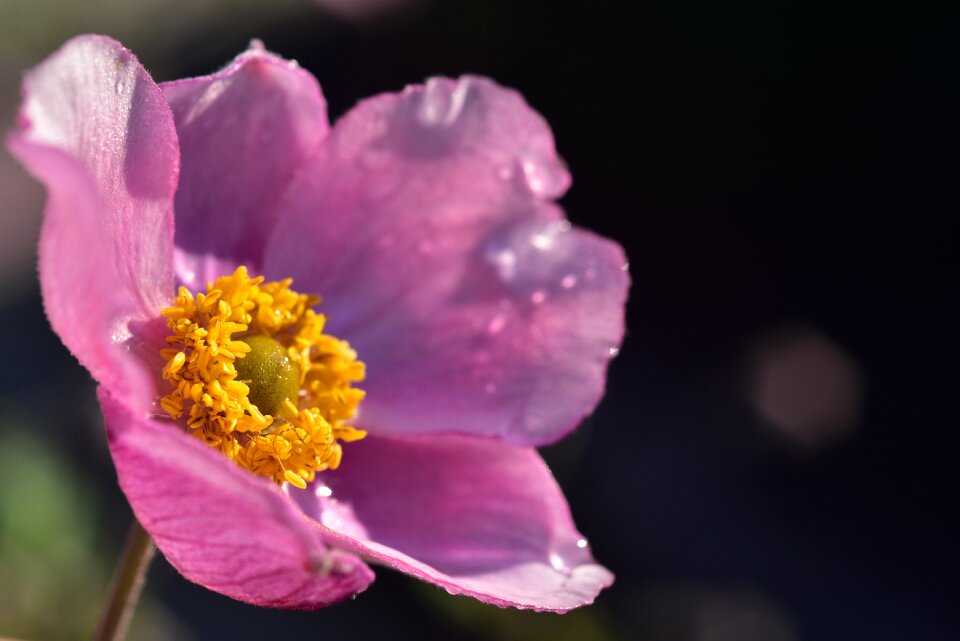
<point>775,456</point>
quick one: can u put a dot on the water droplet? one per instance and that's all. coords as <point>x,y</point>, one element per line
<point>504,260</point>
<point>120,86</point>
<point>542,176</point>
<point>441,106</point>
<point>323,491</point>
<point>532,174</point>
<point>625,267</point>
<point>538,297</point>
<point>582,543</point>
<point>532,256</point>
<point>543,241</point>
<point>496,324</point>
<point>614,351</point>
<point>557,562</point>
<point>568,281</point>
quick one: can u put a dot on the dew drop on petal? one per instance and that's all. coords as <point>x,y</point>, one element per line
<point>496,324</point>
<point>532,174</point>
<point>440,106</point>
<point>504,260</point>
<point>541,176</point>
<point>582,544</point>
<point>543,241</point>
<point>533,259</point>
<point>614,351</point>
<point>558,564</point>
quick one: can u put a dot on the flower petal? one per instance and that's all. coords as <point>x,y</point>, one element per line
<point>221,526</point>
<point>244,132</point>
<point>96,130</point>
<point>518,349</point>
<point>474,516</point>
<point>425,223</point>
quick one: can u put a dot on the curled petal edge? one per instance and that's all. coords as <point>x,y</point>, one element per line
<point>95,129</point>
<point>219,525</point>
<point>258,106</point>
<point>480,517</point>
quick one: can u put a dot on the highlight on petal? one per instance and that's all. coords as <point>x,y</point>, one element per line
<point>221,526</point>
<point>474,516</point>
<point>244,131</point>
<point>95,129</point>
<point>425,223</point>
<point>517,349</point>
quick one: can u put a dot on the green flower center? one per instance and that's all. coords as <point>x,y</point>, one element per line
<point>269,373</point>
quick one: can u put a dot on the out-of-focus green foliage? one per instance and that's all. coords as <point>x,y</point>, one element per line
<point>53,574</point>
<point>50,580</point>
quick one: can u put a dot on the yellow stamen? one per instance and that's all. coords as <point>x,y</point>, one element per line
<point>301,377</point>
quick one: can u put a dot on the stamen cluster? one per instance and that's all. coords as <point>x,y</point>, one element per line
<point>303,435</point>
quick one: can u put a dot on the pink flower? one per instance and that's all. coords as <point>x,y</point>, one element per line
<point>426,221</point>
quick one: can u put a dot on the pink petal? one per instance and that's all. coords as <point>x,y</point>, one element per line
<point>474,516</point>
<point>425,223</point>
<point>519,349</point>
<point>95,129</point>
<point>244,132</point>
<point>221,526</point>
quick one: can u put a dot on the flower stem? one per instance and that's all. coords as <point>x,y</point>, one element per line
<point>127,584</point>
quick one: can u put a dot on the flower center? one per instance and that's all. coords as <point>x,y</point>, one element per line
<point>258,379</point>
<point>271,376</point>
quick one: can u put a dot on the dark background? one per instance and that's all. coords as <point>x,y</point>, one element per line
<point>777,173</point>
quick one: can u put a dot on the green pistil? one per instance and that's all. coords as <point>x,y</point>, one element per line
<point>269,373</point>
